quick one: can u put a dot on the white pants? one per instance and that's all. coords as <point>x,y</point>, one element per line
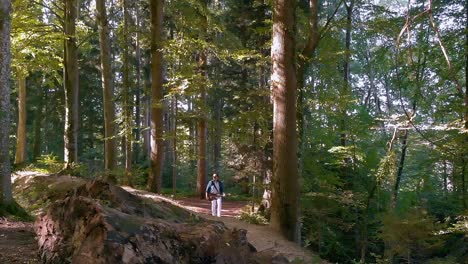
<point>216,207</point>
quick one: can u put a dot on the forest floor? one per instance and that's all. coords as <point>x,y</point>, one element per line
<point>18,244</point>
<point>262,237</point>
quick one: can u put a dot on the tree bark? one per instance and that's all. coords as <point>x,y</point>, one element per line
<point>157,142</point>
<point>302,66</point>
<point>193,136</point>
<point>344,91</point>
<point>174,145</point>
<point>70,84</point>
<point>110,145</point>
<point>146,112</point>
<point>136,150</point>
<point>39,116</point>
<point>401,164</point>
<point>5,71</point>
<point>465,151</point>
<point>146,132</point>
<point>201,161</point>
<point>285,191</point>
<point>127,99</point>
<point>217,135</point>
<point>20,156</point>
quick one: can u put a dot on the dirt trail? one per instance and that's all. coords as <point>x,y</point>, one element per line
<point>263,238</point>
<point>17,242</point>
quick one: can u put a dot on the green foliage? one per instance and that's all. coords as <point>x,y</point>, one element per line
<point>247,215</point>
<point>46,164</point>
<point>35,193</point>
<point>345,186</point>
<point>14,212</point>
<point>387,169</point>
<point>411,235</point>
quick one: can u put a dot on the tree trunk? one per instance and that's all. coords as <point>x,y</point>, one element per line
<point>401,164</point>
<point>39,116</point>
<point>193,136</point>
<point>71,84</point>
<point>110,146</point>
<point>285,191</point>
<point>136,150</point>
<point>266,170</point>
<point>146,132</point>
<point>217,135</point>
<point>417,79</point>
<point>146,111</point>
<point>344,91</point>
<point>127,99</point>
<point>201,161</point>
<point>463,184</point>
<point>157,142</point>
<point>20,156</point>
<point>303,64</point>
<point>174,145</point>
<point>465,151</point>
<point>5,57</point>
<point>167,120</point>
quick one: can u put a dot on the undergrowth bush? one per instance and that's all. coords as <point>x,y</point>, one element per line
<point>252,217</point>
<point>47,164</point>
<point>14,211</point>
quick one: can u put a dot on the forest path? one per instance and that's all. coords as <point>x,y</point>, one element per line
<point>17,238</point>
<point>263,238</point>
<point>17,242</point>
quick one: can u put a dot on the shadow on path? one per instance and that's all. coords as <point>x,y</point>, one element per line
<point>202,206</point>
<point>17,242</point>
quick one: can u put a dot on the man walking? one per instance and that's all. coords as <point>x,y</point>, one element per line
<point>214,193</point>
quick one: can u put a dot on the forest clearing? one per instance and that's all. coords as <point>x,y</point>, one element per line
<point>318,130</point>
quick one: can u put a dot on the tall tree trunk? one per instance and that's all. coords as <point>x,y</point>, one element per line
<point>146,132</point>
<point>136,150</point>
<point>146,111</point>
<point>465,151</point>
<point>417,77</point>
<point>302,66</point>
<point>201,161</point>
<point>202,129</point>
<point>110,145</point>
<point>193,138</point>
<point>127,99</point>
<point>345,89</point>
<point>174,144</point>
<point>5,57</point>
<point>39,116</point>
<point>71,84</point>
<point>157,142</point>
<point>20,156</point>
<point>167,120</point>
<point>267,152</point>
<point>401,164</point>
<point>463,184</point>
<point>217,136</point>
<point>285,191</point>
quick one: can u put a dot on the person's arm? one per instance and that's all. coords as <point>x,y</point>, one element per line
<point>207,189</point>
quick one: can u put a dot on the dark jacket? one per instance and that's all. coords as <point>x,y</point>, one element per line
<point>211,183</point>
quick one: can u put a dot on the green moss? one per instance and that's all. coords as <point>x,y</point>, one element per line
<point>38,192</point>
<point>14,211</point>
<point>46,164</point>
